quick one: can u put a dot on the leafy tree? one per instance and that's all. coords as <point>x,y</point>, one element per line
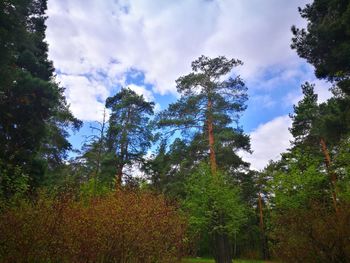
<point>325,43</point>
<point>129,133</point>
<point>34,113</point>
<point>214,208</point>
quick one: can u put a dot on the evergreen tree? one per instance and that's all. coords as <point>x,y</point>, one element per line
<point>208,109</point>
<point>129,133</point>
<point>318,129</point>
<point>311,179</point>
<point>325,43</point>
<point>34,113</point>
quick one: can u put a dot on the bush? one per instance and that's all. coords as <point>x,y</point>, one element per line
<point>314,235</point>
<point>121,227</point>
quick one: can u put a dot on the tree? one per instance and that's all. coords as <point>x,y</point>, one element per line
<point>310,178</point>
<point>326,41</point>
<point>209,104</point>
<point>129,133</point>
<point>214,208</point>
<point>321,127</point>
<point>34,114</point>
<point>208,109</point>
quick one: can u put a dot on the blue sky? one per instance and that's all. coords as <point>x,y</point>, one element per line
<point>99,46</point>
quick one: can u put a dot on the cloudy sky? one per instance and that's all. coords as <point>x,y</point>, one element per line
<point>98,46</point>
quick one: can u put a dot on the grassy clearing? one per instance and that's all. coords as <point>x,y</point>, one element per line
<point>208,260</point>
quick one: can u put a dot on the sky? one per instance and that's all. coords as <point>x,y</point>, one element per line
<point>100,46</point>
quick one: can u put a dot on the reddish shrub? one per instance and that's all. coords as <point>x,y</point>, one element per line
<point>314,235</point>
<point>121,227</point>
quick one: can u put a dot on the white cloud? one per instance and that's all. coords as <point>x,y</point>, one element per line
<point>322,89</point>
<point>161,38</point>
<point>86,97</point>
<point>147,94</point>
<point>142,90</point>
<point>268,141</point>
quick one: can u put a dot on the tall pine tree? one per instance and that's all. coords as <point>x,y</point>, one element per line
<point>34,113</point>
<point>209,108</point>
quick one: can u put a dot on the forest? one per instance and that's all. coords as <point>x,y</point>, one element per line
<point>170,185</point>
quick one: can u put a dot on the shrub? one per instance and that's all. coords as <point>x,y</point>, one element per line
<point>314,235</point>
<point>123,227</point>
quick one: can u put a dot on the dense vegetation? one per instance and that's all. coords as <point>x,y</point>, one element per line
<point>197,197</point>
<point>127,226</point>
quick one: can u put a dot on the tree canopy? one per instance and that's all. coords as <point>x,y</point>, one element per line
<point>325,43</point>
<point>34,113</point>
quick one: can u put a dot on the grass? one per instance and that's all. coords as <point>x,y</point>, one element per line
<point>208,260</point>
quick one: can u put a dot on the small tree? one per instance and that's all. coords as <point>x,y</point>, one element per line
<point>214,207</point>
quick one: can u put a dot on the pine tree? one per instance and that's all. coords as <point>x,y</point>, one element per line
<point>208,108</point>
<point>129,133</point>
<point>325,43</point>
<point>34,113</point>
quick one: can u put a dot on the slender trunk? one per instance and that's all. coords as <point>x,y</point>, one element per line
<point>264,247</point>
<point>332,175</point>
<point>120,166</point>
<point>211,139</point>
<point>99,153</point>
<point>119,177</point>
<point>261,215</point>
<point>235,246</point>
<point>123,158</point>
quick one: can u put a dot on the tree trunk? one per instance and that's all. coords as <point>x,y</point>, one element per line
<point>123,151</point>
<point>100,146</point>
<point>222,245</point>
<point>119,177</point>
<point>222,248</point>
<point>211,139</point>
<point>265,251</point>
<point>261,215</point>
<point>332,175</point>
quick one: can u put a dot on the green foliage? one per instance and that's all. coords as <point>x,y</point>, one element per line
<point>302,175</point>
<point>13,182</point>
<point>214,206</point>
<point>325,43</point>
<point>305,226</point>
<point>300,179</point>
<point>129,133</point>
<point>93,187</point>
<point>34,113</point>
<point>190,114</point>
<point>341,167</point>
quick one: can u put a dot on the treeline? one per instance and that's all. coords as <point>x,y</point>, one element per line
<point>196,195</point>
<point>308,189</point>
